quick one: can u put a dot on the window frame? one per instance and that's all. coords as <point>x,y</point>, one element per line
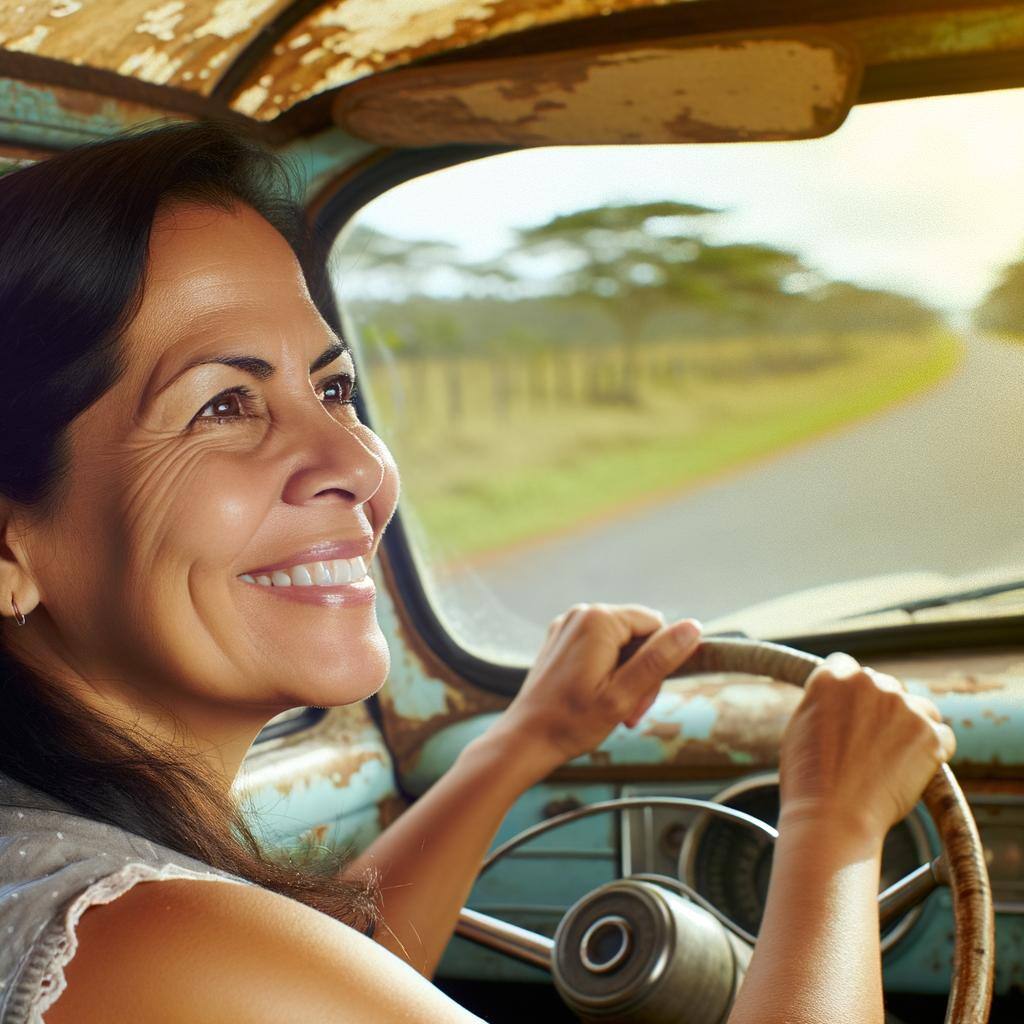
<point>386,170</point>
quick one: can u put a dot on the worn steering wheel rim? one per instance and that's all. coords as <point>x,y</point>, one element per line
<point>970,994</point>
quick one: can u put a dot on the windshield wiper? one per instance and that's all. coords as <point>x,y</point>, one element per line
<point>957,597</point>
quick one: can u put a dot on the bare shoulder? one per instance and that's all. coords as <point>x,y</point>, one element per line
<point>204,952</point>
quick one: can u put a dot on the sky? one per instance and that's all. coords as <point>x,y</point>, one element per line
<point>923,196</point>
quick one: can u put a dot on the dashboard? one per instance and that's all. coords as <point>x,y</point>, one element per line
<point>716,737</point>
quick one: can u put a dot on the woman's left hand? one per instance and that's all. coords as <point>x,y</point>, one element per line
<point>577,692</point>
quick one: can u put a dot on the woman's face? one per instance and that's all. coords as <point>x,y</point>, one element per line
<point>226,456</point>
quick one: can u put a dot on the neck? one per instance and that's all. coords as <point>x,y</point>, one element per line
<point>219,734</point>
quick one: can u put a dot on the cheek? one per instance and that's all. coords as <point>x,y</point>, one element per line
<point>191,508</point>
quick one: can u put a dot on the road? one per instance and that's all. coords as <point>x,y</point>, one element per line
<point>936,483</point>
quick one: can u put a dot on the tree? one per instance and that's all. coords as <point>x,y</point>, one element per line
<point>1002,309</point>
<point>619,257</point>
<point>372,264</point>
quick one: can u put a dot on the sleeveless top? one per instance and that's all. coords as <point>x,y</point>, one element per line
<point>54,864</point>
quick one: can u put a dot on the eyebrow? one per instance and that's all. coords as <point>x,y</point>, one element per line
<point>260,368</point>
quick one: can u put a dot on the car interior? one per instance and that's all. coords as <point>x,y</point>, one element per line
<point>713,306</point>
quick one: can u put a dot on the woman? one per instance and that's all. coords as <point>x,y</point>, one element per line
<point>182,476</point>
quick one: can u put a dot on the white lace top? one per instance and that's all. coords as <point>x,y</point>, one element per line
<point>54,865</point>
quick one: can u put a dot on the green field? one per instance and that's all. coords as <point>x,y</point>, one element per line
<point>496,453</point>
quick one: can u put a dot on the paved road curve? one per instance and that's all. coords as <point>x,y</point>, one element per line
<point>935,484</point>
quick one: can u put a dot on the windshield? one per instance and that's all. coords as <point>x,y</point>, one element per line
<point>771,385</point>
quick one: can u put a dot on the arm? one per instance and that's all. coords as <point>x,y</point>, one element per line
<point>574,695</point>
<point>817,956</point>
<point>182,951</point>
<point>855,758</point>
<point>428,859</point>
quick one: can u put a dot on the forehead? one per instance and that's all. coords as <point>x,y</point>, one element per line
<point>216,274</point>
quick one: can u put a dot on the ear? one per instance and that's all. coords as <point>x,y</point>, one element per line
<point>17,583</point>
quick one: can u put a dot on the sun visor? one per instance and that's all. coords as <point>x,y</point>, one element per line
<point>797,84</point>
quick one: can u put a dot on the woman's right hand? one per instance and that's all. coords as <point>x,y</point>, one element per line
<point>859,750</point>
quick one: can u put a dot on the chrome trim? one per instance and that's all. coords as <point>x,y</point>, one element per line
<point>623,928</point>
<point>506,938</point>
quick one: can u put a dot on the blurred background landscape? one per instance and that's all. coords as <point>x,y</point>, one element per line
<point>701,377</point>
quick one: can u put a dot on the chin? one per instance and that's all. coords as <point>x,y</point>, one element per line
<point>338,673</point>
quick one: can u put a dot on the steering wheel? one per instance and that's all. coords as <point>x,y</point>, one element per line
<point>634,950</point>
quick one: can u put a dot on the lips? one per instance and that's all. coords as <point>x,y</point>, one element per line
<point>327,551</point>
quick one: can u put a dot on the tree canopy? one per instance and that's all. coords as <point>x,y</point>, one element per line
<point>630,263</point>
<point>1002,309</point>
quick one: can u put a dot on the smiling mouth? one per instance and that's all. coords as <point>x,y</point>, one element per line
<point>333,573</point>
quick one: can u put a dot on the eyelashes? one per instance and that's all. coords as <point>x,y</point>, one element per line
<point>240,403</point>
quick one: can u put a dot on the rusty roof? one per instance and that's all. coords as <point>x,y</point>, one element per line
<point>266,60</point>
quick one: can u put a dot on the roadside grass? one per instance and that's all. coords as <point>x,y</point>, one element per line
<point>495,456</point>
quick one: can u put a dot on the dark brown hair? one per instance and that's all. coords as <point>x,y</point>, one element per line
<point>74,236</point>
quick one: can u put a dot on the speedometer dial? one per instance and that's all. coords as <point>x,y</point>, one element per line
<point>730,865</point>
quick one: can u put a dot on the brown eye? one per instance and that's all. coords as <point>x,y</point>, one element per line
<point>228,405</point>
<point>339,390</point>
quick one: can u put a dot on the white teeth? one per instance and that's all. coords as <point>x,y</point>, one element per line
<point>313,574</point>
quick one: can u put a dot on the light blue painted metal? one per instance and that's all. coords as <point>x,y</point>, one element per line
<point>989,725</point>
<point>53,118</point>
<point>325,155</point>
<point>533,886</point>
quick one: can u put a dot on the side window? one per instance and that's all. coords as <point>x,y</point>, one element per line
<point>743,382</point>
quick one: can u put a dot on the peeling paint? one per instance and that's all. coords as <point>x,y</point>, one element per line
<point>779,87</point>
<point>152,64</point>
<point>161,21</point>
<point>340,42</point>
<point>966,684</point>
<point>355,38</point>
<point>233,17</point>
<point>332,784</point>
<point>249,101</point>
<point>49,116</point>
<point>422,696</point>
<point>994,717</point>
<point>29,43</point>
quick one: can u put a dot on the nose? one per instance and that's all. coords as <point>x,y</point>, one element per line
<point>332,463</point>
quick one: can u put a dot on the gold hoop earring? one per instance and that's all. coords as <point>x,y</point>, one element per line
<point>19,618</point>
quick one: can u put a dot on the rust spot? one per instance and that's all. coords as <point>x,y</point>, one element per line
<point>966,684</point>
<point>756,731</point>
<point>996,719</point>
<point>794,85</point>
<point>335,749</point>
<point>317,834</point>
<point>967,723</point>
<point>663,730</point>
<point>406,733</point>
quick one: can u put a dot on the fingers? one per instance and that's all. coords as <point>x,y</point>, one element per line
<point>840,665</point>
<point>923,706</point>
<point>638,618</point>
<point>619,622</point>
<point>641,709</point>
<point>843,666</point>
<point>661,653</point>
<point>948,740</point>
